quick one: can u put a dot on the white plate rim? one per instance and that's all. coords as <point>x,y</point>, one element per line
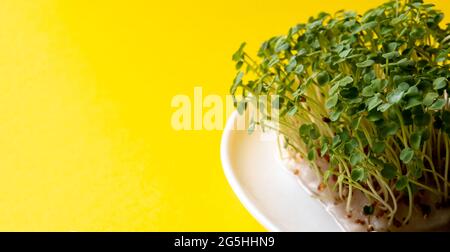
<point>233,181</point>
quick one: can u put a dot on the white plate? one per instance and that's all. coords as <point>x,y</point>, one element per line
<point>268,191</point>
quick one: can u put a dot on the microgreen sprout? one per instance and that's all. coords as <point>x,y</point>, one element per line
<point>368,93</point>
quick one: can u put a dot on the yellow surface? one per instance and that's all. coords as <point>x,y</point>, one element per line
<point>85,91</point>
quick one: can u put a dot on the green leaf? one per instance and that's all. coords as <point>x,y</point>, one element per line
<point>356,158</point>
<point>389,171</point>
<point>378,147</point>
<point>440,83</point>
<point>237,56</point>
<point>395,96</point>
<point>384,107</point>
<point>238,78</point>
<point>350,146</point>
<point>413,101</point>
<point>429,98</point>
<point>334,89</point>
<point>324,149</point>
<point>415,140</point>
<point>291,65</point>
<point>442,55</point>
<point>281,45</point>
<point>417,169</point>
<point>311,155</point>
<point>332,101</point>
<point>406,155</point>
<point>314,132</point>
<point>336,141</point>
<point>373,102</point>
<point>366,63</point>
<point>398,19</point>
<point>334,116</point>
<point>393,46</point>
<point>358,174</point>
<point>412,91</point>
<point>345,81</point>
<point>292,111</point>
<point>273,61</point>
<point>401,184</point>
<point>242,105</point>
<point>299,69</point>
<point>323,78</point>
<point>304,130</point>
<point>378,85</point>
<point>239,65</point>
<point>403,86</point>
<point>391,55</point>
<point>345,53</point>
<point>369,25</point>
<point>389,128</point>
<point>438,104</point>
<point>374,116</point>
<point>368,91</point>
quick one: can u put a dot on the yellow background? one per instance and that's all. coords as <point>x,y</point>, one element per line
<point>85,91</point>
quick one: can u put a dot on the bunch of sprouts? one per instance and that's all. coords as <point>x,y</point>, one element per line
<point>368,93</point>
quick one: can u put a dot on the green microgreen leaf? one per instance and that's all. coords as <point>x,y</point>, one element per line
<point>401,184</point>
<point>292,111</point>
<point>413,101</point>
<point>379,147</point>
<point>323,78</point>
<point>429,98</point>
<point>314,132</point>
<point>345,53</point>
<point>391,55</point>
<point>415,140</point>
<point>395,96</point>
<point>368,91</point>
<point>366,63</point>
<point>356,158</point>
<point>311,155</point>
<point>324,149</point>
<point>358,174</point>
<point>336,141</point>
<point>406,155</point>
<point>237,56</point>
<point>345,81</point>
<point>384,107</point>
<point>332,101</point>
<point>291,65</point>
<point>242,105</point>
<point>373,102</point>
<point>438,104</point>
<point>440,83</point>
<point>389,128</point>
<point>238,78</point>
<point>388,171</point>
<point>299,69</point>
